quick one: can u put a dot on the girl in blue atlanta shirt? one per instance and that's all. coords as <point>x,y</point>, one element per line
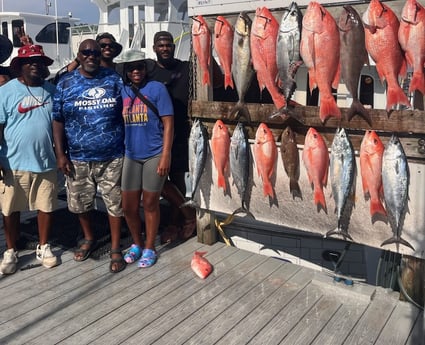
<point>149,131</point>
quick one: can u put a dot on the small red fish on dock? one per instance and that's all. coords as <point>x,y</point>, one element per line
<point>265,152</point>
<point>220,146</point>
<point>223,45</point>
<point>316,161</point>
<point>200,265</point>
<point>201,38</point>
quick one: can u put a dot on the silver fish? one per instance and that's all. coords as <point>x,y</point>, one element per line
<point>353,56</point>
<point>198,152</point>
<point>288,49</point>
<point>240,165</point>
<point>242,69</point>
<point>395,180</point>
<point>342,169</point>
<point>291,160</point>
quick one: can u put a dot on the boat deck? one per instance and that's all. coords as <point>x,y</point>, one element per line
<point>249,298</point>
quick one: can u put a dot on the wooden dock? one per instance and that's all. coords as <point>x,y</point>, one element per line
<point>249,298</point>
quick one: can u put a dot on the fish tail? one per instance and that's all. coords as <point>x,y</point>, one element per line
<point>189,203</point>
<point>376,207</point>
<point>294,188</point>
<point>417,82</point>
<point>358,108</point>
<point>340,232</point>
<point>228,81</point>
<point>397,239</point>
<point>243,210</point>
<point>240,110</point>
<point>200,253</point>
<point>221,182</point>
<point>206,78</point>
<point>319,198</point>
<point>396,96</point>
<point>329,108</point>
<point>268,189</point>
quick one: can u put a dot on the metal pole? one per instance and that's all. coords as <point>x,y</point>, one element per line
<point>57,32</point>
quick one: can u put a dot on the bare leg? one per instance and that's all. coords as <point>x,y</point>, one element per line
<point>44,221</point>
<point>130,205</point>
<point>85,222</point>
<point>115,226</point>
<point>11,229</point>
<point>152,217</point>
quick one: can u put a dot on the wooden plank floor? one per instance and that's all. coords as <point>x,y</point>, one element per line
<point>248,299</point>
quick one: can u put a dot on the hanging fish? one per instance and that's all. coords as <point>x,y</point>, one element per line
<point>265,152</point>
<point>198,151</point>
<point>291,160</point>
<point>342,170</point>
<point>315,156</point>
<point>395,179</point>
<point>242,69</point>
<point>220,145</point>
<point>223,45</point>
<point>201,38</point>
<point>240,162</point>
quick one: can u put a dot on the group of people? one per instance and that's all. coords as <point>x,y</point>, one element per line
<point>123,135</point>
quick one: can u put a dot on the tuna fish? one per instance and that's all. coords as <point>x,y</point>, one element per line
<point>263,52</point>
<point>240,162</point>
<point>342,170</point>
<point>201,38</point>
<point>288,49</point>
<point>411,36</point>
<point>223,45</point>
<point>353,56</point>
<point>320,48</point>
<point>315,156</point>
<point>395,179</point>
<point>200,265</point>
<point>242,69</point>
<point>265,152</point>
<point>381,37</point>
<point>198,152</point>
<point>371,151</point>
<point>220,145</point>
<point>291,160</point>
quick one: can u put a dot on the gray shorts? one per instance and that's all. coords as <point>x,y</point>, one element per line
<point>90,177</point>
<point>141,175</point>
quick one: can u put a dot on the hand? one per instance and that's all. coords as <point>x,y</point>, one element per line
<point>64,165</point>
<point>164,165</point>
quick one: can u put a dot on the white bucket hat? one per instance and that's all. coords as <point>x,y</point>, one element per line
<point>130,55</point>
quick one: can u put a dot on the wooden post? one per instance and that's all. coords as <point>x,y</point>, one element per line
<point>207,232</point>
<point>413,278</point>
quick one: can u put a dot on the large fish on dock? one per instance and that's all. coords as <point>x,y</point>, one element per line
<point>291,160</point>
<point>223,43</point>
<point>198,152</point>
<point>315,156</point>
<point>353,57</point>
<point>288,49</point>
<point>220,146</point>
<point>371,152</point>
<point>411,36</point>
<point>242,69</point>
<point>395,180</point>
<point>342,170</point>
<point>240,161</point>
<point>320,49</point>
<point>381,37</point>
<point>201,39</point>
<point>264,34</point>
<point>265,152</point>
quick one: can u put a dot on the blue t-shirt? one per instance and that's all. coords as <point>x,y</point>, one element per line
<point>26,113</point>
<point>144,131</point>
<point>90,109</point>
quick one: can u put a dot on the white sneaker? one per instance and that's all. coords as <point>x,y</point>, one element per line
<point>10,259</point>
<point>45,255</point>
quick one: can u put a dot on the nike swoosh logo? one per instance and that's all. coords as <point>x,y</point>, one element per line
<point>24,110</point>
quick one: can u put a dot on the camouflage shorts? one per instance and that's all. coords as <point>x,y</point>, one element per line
<point>91,177</point>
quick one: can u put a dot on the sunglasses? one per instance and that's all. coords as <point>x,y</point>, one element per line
<point>89,52</point>
<point>136,66</point>
<point>104,45</point>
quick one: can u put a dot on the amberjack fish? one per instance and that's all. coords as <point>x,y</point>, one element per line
<point>198,152</point>
<point>223,45</point>
<point>381,38</point>
<point>242,69</point>
<point>353,57</point>
<point>342,170</point>
<point>395,179</point>
<point>291,160</point>
<point>200,265</point>
<point>201,38</point>
<point>288,49</point>
<point>240,161</point>
<point>315,156</point>
<point>265,152</point>
<point>220,146</point>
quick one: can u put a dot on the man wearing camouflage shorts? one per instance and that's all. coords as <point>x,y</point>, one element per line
<point>88,133</point>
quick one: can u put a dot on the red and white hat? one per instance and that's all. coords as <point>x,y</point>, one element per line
<point>28,52</point>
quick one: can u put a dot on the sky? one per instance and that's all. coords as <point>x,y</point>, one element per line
<point>85,10</point>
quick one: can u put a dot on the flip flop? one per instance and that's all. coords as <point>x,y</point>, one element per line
<point>149,258</point>
<point>121,264</point>
<point>84,254</point>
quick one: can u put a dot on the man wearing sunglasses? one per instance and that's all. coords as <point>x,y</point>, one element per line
<point>88,133</point>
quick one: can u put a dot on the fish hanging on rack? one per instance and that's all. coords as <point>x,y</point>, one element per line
<point>201,38</point>
<point>220,146</point>
<point>342,169</point>
<point>291,160</point>
<point>223,45</point>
